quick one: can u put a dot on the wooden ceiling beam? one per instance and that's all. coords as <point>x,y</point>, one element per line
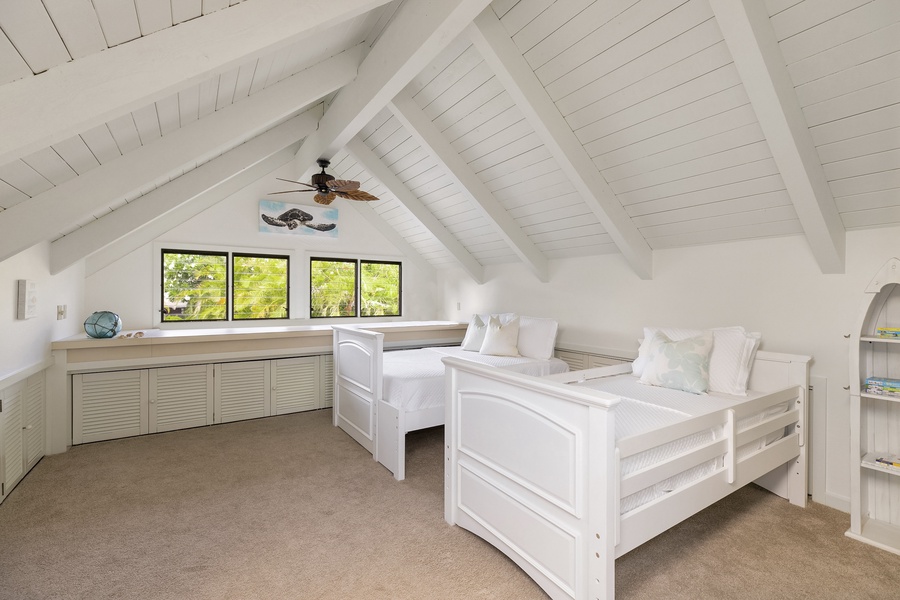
<point>364,156</point>
<point>433,141</point>
<point>151,215</point>
<point>76,96</point>
<point>107,184</point>
<point>749,36</point>
<point>513,71</point>
<point>416,34</point>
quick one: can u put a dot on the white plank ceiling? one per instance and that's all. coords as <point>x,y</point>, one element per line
<point>661,121</point>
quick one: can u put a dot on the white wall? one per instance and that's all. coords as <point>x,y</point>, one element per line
<point>24,343</point>
<point>126,286</point>
<point>772,286</point>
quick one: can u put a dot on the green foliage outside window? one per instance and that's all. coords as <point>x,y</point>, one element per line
<point>260,287</point>
<point>194,287</point>
<point>332,288</point>
<point>379,289</point>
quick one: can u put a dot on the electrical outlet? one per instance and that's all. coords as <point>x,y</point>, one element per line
<point>60,312</point>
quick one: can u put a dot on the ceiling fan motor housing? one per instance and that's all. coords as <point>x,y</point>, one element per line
<point>320,180</point>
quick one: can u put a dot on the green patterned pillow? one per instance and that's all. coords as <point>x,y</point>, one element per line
<point>681,365</point>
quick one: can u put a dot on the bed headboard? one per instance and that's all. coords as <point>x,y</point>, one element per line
<point>773,371</point>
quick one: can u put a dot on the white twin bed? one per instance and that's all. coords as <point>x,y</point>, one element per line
<point>381,396</point>
<point>566,473</point>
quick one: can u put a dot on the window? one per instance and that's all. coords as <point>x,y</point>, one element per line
<point>351,288</point>
<point>260,286</point>
<point>379,289</point>
<point>195,286</point>
<point>199,286</point>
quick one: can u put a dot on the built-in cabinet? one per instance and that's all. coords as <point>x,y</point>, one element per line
<point>117,404</point>
<point>875,416</point>
<point>578,360</point>
<point>21,430</point>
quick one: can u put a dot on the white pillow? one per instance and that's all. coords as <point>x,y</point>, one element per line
<point>679,365</point>
<point>474,334</point>
<point>729,366</point>
<point>500,339</point>
<point>537,337</point>
<point>732,356</point>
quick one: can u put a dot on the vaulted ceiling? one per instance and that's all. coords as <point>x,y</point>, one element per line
<point>511,131</point>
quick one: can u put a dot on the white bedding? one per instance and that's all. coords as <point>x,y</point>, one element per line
<point>658,407</point>
<point>414,379</point>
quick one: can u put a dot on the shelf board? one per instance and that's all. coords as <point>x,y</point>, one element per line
<point>872,338</point>
<point>880,397</point>
<point>879,534</point>
<point>868,462</point>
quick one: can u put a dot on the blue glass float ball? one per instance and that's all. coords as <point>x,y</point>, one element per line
<point>103,324</point>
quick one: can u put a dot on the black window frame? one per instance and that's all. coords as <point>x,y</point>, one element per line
<point>162,284</point>
<point>287,282</point>
<point>399,286</point>
<point>356,286</point>
<point>228,255</point>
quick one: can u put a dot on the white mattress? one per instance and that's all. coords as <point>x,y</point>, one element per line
<point>644,408</point>
<point>414,379</point>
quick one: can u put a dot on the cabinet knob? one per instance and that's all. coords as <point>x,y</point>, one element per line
<point>28,427</point>
<point>846,387</point>
<point>847,337</point>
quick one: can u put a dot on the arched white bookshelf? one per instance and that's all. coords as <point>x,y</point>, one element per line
<point>875,415</point>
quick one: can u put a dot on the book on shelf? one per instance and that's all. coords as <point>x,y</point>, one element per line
<point>888,460</point>
<point>887,332</point>
<point>883,386</point>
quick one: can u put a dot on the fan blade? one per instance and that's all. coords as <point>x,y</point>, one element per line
<point>290,192</point>
<point>297,182</point>
<point>342,185</point>
<point>356,195</point>
<point>322,199</point>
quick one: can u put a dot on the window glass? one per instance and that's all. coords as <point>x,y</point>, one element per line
<point>332,288</point>
<point>379,289</point>
<point>259,287</point>
<point>195,286</point>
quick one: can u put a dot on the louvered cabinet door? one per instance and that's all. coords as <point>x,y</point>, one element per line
<point>33,420</point>
<point>326,381</point>
<point>11,446</point>
<point>242,391</point>
<point>295,384</point>
<point>106,406</point>
<point>576,360</point>
<point>180,397</point>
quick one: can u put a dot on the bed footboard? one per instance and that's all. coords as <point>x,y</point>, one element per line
<point>357,382</point>
<point>532,467</point>
<point>531,470</point>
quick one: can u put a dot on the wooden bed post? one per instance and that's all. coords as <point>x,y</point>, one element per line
<point>601,506</point>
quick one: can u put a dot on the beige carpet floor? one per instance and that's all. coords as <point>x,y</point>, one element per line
<point>290,507</point>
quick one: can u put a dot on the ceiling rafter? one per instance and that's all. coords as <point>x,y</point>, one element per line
<point>417,33</point>
<point>149,216</point>
<point>76,96</point>
<point>409,253</point>
<point>108,183</point>
<point>380,171</point>
<point>192,182</point>
<point>749,36</point>
<point>433,141</point>
<point>511,68</point>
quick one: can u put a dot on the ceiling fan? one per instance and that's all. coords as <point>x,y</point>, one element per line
<point>328,188</point>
